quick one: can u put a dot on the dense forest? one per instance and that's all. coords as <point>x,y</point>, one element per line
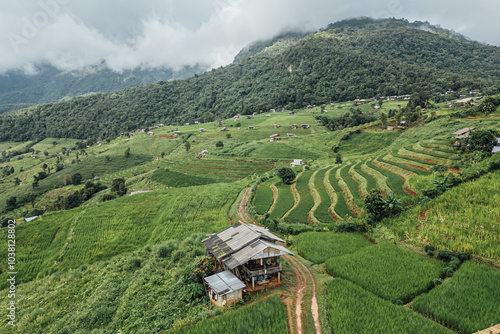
<point>347,60</point>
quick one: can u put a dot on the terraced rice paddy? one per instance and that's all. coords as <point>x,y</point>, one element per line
<point>336,192</point>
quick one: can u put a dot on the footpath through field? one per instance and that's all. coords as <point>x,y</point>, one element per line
<point>302,285</point>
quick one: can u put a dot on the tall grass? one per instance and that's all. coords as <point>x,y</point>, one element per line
<point>388,271</point>
<point>318,247</point>
<point>467,302</point>
<point>354,310</point>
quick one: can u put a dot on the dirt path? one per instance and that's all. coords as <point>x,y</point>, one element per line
<point>302,283</point>
<point>242,208</point>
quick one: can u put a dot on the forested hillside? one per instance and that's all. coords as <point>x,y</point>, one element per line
<point>348,60</point>
<point>48,84</point>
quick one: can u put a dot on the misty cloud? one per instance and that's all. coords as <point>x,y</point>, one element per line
<point>71,34</point>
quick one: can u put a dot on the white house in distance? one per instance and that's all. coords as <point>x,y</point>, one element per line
<point>296,162</point>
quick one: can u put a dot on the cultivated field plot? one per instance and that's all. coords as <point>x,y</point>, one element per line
<point>467,302</point>
<point>321,213</point>
<point>171,178</point>
<point>388,271</point>
<point>464,218</point>
<point>263,197</point>
<point>223,169</point>
<point>301,212</point>
<point>318,247</point>
<point>285,201</point>
<point>351,309</point>
<point>67,239</point>
<point>267,316</point>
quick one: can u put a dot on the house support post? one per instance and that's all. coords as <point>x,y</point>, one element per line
<point>279,278</point>
<point>253,283</point>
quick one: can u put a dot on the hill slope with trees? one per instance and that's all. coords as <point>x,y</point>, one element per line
<point>347,60</point>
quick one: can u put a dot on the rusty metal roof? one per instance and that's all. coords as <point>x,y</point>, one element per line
<point>236,237</point>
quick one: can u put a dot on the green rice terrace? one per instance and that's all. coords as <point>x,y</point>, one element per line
<point>393,230</point>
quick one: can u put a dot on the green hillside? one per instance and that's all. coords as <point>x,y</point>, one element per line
<point>358,59</point>
<point>394,219</point>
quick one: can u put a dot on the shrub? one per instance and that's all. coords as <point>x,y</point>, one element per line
<point>462,256</point>
<point>178,254</point>
<point>444,254</point>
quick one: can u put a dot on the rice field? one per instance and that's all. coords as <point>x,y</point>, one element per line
<point>388,271</point>
<point>351,309</point>
<point>467,302</point>
<point>318,247</point>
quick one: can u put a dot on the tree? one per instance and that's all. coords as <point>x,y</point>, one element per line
<point>118,186</point>
<point>219,144</point>
<point>76,179</point>
<point>30,197</point>
<point>11,203</point>
<point>392,205</point>
<point>67,179</point>
<point>187,145</point>
<point>286,174</point>
<point>398,116</point>
<point>383,119</point>
<point>17,181</point>
<point>479,140</point>
<point>44,166</point>
<point>374,205</point>
<point>127,152</point>
<point>338,159</point>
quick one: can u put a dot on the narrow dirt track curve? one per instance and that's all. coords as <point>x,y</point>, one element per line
<point>302,283</point>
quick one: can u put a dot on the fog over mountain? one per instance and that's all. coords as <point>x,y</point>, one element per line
<point>124,35</point>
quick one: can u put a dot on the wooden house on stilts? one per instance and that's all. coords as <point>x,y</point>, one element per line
<point>248,251</point>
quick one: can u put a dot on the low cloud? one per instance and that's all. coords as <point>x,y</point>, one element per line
<point>71,34</point>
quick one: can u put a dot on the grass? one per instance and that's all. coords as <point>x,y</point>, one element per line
<point>354,310</point>
<point>341,207</point>
<point>171,178</point>
<point>67,239</point>
<point>285,201</point>
<point>388,271</point>
<point>267,316</point>
<point>300,213</point>
<point>263,197</point>
<point>318,247</point>
<point>393,181</point>
<point>137,291</point>
<point>321,212</point>
<point>467,302</point>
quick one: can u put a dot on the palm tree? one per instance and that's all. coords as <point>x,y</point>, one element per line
<point>391,204</point>
<point>440,186</point>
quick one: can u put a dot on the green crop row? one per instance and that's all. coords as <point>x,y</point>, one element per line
<point>321,212</point>
<point>394,182</point>
<point>354,310</point>
<point>388,271</point>
<point>400,163</point>
<point>285,201</point>
<point>263,197</point>
<point>467,302</point>
<point>267,316</point>
<point>318,247</point>
<point>341,207</point>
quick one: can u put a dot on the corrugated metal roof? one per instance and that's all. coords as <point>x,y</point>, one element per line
<point>224,283</point>
<point>462,131</point>
<point>235,237</point>
<point>495,149</point>
<point>255,251</point>
<point>30,219</point>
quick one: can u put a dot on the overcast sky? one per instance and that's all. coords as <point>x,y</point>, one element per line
<point>126,34</point>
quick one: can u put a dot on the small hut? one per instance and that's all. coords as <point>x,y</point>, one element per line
<point>224,288</point>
